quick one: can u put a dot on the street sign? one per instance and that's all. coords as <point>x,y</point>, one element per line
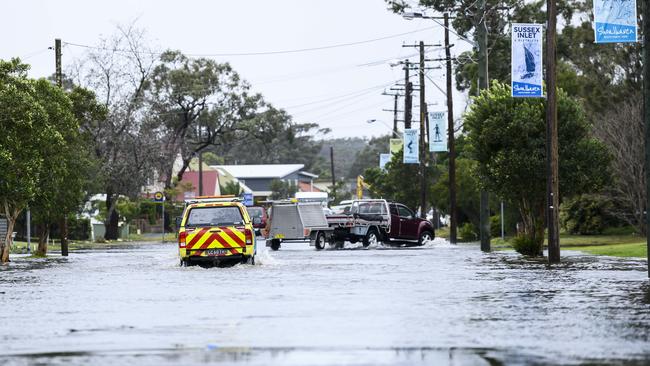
<point>438,131</point>
<point>158,197</point>
<point>526,64</point>
<point>383,160</point>
<point>411,146</point>
<point>395,146</point>
<point>615,21</point>
<point>248,199</point>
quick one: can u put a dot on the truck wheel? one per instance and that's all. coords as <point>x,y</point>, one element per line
<point>425,236</point>
<point>275,244</point>
<point>183,262</point>
<point>320,240</point>
<point>371,238</point>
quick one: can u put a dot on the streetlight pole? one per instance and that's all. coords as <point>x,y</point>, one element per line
<point>481,35</point>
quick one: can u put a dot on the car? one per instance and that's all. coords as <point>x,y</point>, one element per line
<point>216,229</point>
<point>260,213</point>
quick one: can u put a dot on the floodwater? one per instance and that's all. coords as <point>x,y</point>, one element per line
<point>433,305</point>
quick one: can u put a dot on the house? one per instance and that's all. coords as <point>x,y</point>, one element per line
<point>258,178</point>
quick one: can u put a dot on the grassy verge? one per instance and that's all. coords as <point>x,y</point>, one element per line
<point>19,247</point>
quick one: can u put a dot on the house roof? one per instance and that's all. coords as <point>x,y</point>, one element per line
<point>261,171</point>
<point>306,187</point>
<point>210,183</point>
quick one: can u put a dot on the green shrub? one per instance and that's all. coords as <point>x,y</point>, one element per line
<point>587,214</point>
<point>525,245</point>
<point>495,226</point>
<point>468,232</point>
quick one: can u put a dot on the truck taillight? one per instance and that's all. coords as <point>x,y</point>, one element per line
<point>181,239</point>
<point>249,236</point>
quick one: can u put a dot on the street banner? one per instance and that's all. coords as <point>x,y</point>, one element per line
<point>526,65</point>
<point>615,21</point>
<point>395,146</point>
<point>383,160</point>
<point>411,146</point>
<point>438,131</point>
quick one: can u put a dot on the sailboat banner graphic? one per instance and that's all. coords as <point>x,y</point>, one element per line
<point>615,21</point>
<point>411,146</point>
<point>526,65</point>
<point>438,131</point>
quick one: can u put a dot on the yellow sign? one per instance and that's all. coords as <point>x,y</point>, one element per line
<point>395,146</point>
<point>158,197</point>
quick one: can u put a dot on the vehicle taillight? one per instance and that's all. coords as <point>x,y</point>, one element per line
<point>181,239</point>
<point>249,236</point>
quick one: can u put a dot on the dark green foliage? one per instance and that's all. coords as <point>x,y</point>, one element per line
<point>468,232</point>
<point>467,194</point>
<point>345,149</point>
<point>282,190</point>
<point>231,188</point>
<point>526,245</point>
<point>587,214</point>
<point>369,156</point>
<point>508,136</point>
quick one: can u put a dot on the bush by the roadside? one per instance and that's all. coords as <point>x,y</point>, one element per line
<point>468,232</point>
<point>524,245</point>
<point>587,214</point>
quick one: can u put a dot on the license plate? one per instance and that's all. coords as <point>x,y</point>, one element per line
<point>217,251</point>
<point>279,236</point>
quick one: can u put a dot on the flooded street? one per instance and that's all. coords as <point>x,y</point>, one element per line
<point>438,304</point>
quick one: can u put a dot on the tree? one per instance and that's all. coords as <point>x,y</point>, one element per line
<point>118,71</point>
<point>278,140</point>
<point>369,156</point>
<point>282,190</point>
<point>507,138</point>
<point>65,170</point>
<point>468,201</point>
<point>231,187</point>
<point>24,130</point>
<point>195,103</point>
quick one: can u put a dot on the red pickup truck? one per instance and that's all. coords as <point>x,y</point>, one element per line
<point>375,220</point>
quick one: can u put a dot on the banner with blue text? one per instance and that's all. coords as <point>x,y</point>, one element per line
<point>438,131</point>
<point>615,21</point>
<point>526,65</point>
<point>411,146</point>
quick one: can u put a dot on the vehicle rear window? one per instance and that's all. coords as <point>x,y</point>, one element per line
<point>214,216</point>
<point>372,208</point>
<point>255,212</point>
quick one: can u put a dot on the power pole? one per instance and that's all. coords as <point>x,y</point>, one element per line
<point>453,237</point>
<point>481,35</point>
<point>646,116</point>
<point>423,155</point>
<point>59,82</point>
<point>408,89</point>
<point>395,116</point>
<point>332,168</point>
<point>552,182</point>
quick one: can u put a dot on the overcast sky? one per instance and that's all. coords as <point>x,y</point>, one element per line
<point>339,88</point>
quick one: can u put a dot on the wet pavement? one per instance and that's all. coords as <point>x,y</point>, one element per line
<point>433,305</point>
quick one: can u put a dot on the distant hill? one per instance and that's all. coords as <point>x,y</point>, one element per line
<point>345,153</point>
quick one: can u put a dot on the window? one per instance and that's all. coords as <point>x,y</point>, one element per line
<point>214,216</point>
<point>255,212</point>
<point>377,208</point>
<point>404,211</point>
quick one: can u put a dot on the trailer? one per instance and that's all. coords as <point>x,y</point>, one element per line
<point>297,221</point>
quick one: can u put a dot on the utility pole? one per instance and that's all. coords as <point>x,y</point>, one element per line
<point>453,237</point>
<point>59,82</point>
<point>646,116</point>
<point>408,89</point>
<point>481,35</point>
<point>423,155</point>
<point>552,182</point>
<point>395,116</point>
<point>332,169</point>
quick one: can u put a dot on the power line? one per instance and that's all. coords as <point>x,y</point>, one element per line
<point>256,53</point>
